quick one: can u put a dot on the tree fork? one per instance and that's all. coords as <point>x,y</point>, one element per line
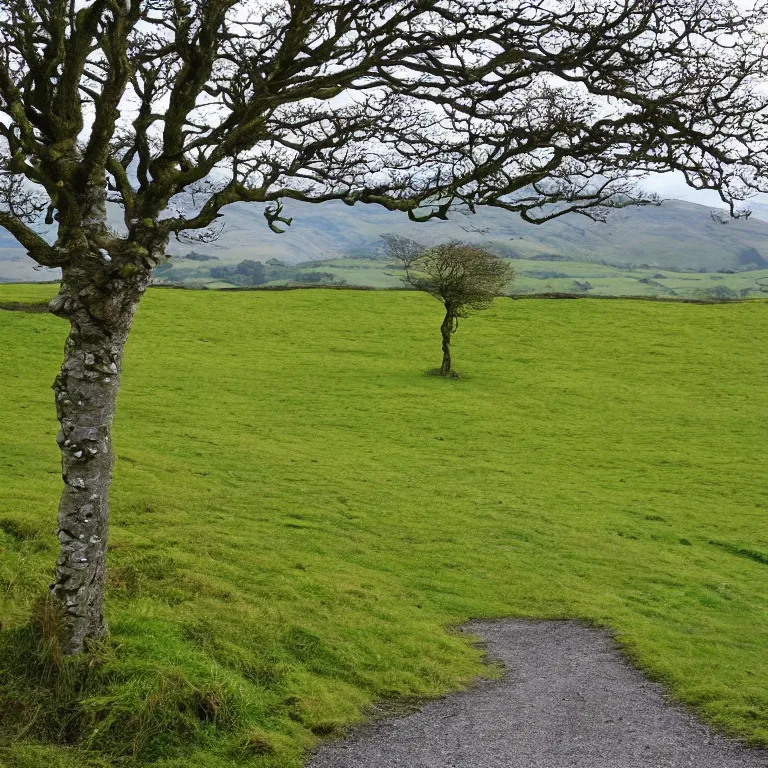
<point>86,389</point>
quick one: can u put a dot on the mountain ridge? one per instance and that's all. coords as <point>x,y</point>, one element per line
<point>677,235</point>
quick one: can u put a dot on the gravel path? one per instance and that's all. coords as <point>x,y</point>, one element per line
<point>568,701</point>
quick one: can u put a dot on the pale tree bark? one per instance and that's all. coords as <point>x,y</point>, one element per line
<point>100,318</point>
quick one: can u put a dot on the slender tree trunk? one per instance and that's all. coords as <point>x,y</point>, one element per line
<point>446,329</point>
<point>100,316</point>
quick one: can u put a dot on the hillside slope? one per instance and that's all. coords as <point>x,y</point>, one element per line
<point>676,235</point>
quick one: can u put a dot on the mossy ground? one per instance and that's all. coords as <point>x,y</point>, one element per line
<point>300,515</point>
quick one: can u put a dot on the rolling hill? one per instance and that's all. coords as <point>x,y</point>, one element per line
<point>677,235</point>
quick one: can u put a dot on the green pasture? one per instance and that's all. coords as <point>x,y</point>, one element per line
<point>302,518</point>
<point>532,276</point>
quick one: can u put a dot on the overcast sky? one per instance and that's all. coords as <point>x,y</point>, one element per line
<point>672,185</point>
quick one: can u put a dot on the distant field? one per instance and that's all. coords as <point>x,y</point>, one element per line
<point>533,276</point>
<point>15,266</point>
<point>677,235</point>
<point>301,516</point>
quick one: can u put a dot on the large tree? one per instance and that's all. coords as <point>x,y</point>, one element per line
<point>174,109</point>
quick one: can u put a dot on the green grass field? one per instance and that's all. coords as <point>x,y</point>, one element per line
<point>301,517</point>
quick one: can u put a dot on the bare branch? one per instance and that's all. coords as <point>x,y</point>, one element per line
<point>539,107</point>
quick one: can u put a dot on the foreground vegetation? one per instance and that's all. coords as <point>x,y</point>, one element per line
<point>301,517</point>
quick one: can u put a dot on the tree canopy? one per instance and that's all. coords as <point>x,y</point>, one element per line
<point>464,278</point>
<point>536,106</point>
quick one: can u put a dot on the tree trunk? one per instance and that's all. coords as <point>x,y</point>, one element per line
<point>100,316</point>
<point>446,329</point>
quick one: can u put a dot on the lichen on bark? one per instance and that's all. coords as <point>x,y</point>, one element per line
<point>86,389</point>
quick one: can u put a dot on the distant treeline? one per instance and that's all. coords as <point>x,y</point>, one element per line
<point>748,262</point>
<point>251,273</point>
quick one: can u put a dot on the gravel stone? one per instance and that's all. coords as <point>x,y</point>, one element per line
<point>568,700</point>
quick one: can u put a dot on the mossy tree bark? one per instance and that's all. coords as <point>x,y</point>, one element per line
<point>100,317</point>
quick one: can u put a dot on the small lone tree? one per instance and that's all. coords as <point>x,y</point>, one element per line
<point>463,278</point>
<point>174,109</point>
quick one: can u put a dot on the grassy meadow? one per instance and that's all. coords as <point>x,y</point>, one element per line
<point>301,518</point>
